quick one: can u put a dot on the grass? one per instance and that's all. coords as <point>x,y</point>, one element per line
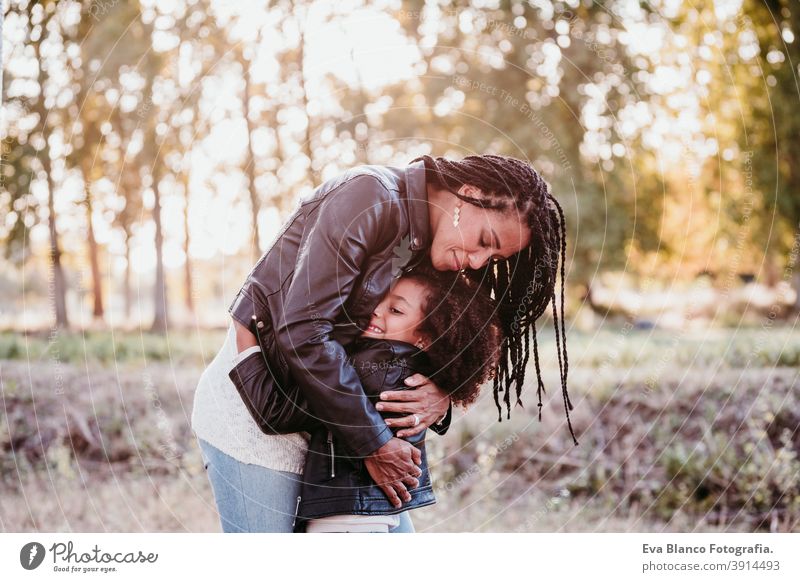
<point>184,347</point>
<point>678,432</point>
<point>614,345</point>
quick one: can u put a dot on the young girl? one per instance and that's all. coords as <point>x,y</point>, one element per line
<point>432,322</point>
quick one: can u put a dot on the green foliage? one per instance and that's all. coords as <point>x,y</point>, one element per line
<point>773,128</point>
<point>17,204</point>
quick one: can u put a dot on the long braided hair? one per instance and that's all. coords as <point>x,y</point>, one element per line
<point>523,284</point>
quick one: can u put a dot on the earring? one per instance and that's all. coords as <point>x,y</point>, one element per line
<point>420,345</point>
<point>456,215</point>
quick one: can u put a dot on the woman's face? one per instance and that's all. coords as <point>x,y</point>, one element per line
<point>480,236</point>
<point>399,313</point>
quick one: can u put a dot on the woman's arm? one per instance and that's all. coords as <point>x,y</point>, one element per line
<point>347,225</point>
<point>343,228</point>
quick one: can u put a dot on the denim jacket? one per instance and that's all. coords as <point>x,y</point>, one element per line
<point>335,480</point>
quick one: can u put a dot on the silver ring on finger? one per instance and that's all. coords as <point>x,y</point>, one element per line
<point>416,419</point>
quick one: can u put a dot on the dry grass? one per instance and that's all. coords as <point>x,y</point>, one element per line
<point>666,445</point>
<point>99,501</point>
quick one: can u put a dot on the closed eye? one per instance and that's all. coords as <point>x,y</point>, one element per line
<point>495,258</point>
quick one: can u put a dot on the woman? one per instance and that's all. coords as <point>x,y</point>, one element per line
<point>313,292</point>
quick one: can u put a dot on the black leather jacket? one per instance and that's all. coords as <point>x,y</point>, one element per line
<point>335,481</point>
<point>313,292</point>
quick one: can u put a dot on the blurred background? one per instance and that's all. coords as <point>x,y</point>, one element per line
<point>152,149</point>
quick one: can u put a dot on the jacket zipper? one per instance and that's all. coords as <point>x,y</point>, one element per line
<point>296,507</point>
<point>330,445</point>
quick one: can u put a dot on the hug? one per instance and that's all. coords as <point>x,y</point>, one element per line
<point>312,415</point>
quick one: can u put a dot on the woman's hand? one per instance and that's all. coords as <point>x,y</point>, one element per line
<point>427,401</point>
<point>394,469</point>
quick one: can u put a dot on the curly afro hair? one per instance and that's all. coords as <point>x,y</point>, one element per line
<point>463,329</point>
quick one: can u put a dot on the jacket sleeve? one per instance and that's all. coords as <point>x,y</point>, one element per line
<point>393,378</point>
<point>349,224</point>
<point>281,411</point>
<point>442,427</point>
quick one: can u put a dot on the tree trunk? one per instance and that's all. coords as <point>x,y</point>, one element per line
<point>97,286</point>
<point>771,272</point>
<point>362,141</point>
<point>160,317</point>
<point>277,198</point>
<point>309,151</point>
<point>187,265</point>
<point>250,172</point>
<point>796,283</point>
<point>59,282</point>
<point>127,277</point>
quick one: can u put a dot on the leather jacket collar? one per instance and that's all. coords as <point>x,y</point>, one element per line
<point>417,204</point>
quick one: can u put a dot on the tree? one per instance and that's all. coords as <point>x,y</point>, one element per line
<point>774,128</point>
<point>250,158</point>
<point>517,80</point>
<point>86,149</point>
<point>40,17</point>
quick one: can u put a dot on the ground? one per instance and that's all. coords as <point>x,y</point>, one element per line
<point>678,432</point>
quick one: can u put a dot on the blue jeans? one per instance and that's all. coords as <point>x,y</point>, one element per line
<point>251,498</point>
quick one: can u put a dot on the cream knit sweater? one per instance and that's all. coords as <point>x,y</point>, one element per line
<point>220,418</point>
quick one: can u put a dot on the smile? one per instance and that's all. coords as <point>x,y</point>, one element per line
<point>374,329</point>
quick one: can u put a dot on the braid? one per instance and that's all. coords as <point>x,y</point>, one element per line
<point>563,228</point>
<point>524,284</point>
<point>540,388</point>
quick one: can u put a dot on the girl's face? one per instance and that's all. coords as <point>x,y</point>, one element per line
<point>399,314</point>
<point>480,235</point>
